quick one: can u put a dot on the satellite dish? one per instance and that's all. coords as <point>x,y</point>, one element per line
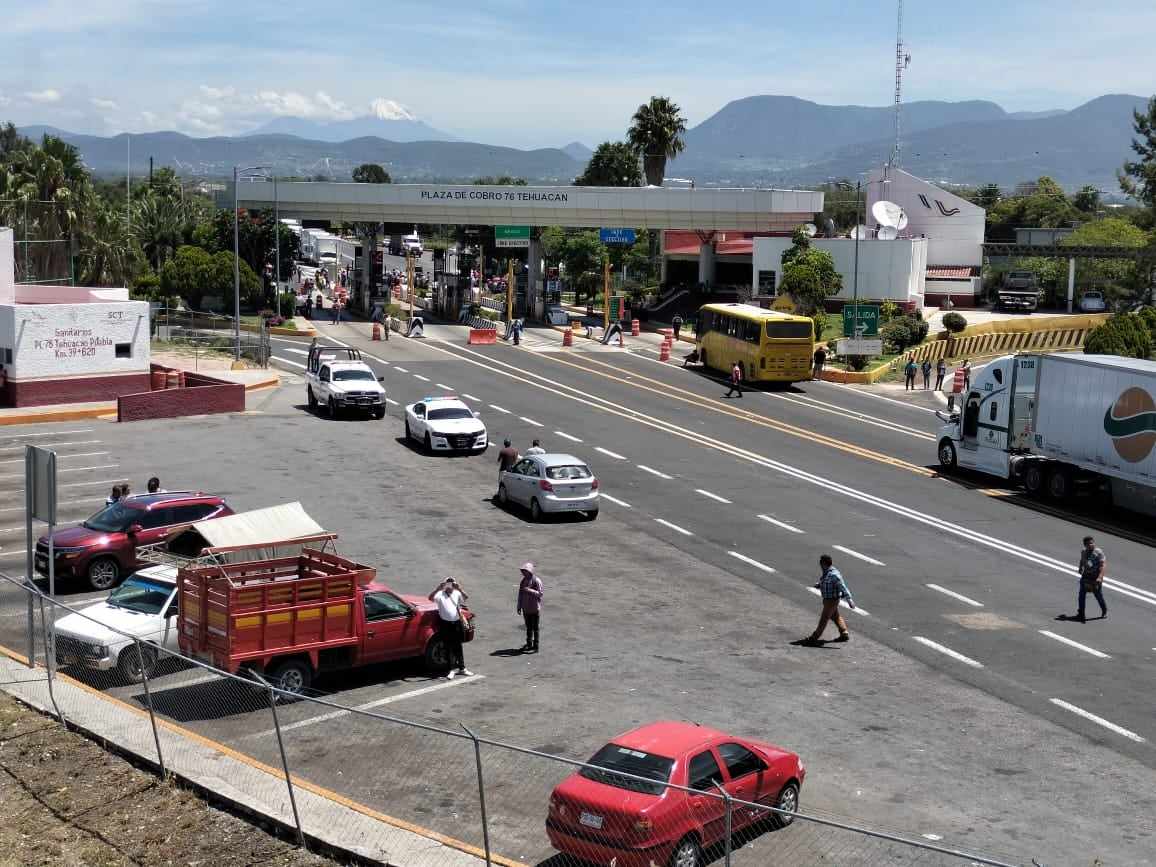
<point>888,233</point>
<point>889,214</point>
<point>861,232</point>
<point>811,229</point>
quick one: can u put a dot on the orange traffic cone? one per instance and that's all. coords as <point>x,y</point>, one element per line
<point>377,331</point>
<point>635,328</point>
<point>664,352</point>
<point>568,337</point>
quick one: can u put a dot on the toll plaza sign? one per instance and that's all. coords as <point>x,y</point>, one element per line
<point>467,194</point>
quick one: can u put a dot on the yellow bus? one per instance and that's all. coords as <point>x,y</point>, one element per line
<point>770,346</point>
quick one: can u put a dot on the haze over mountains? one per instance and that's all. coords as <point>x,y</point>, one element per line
<point>758,140</point>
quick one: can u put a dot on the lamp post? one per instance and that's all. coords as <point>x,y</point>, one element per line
<point>277,246</point>
<point>248,171</point>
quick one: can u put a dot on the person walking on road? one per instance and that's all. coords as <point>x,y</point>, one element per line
<point>336,308</point>
<point>676,325</point>
<point>507,457</point>
<point>449,597</point>
<point>736,380</point>
<point>387,324</point>
<point>940,372</point>
<point>820,359</point>
<point>536,449</point>
<point>308,306</point>
<point>530,605</point>
<point>832,588</point>
<point>966,367</point>
<point>1092,565</point>
<point>925,369</point>
<point>909,371</point>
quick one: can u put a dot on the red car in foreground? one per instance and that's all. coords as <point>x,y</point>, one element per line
<point>601,817</point>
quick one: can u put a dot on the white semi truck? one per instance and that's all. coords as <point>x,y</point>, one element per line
<point>1059,423</point>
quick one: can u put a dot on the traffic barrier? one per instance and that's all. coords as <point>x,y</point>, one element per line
<point>568,337</point>
<point>377,331</point>
<point>481,336</point>
<point>635,328</point>
<point>664,352</point>
<point>667,332</point>
<point>957,381</point>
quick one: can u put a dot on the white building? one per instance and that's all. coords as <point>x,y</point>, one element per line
<point>68,344</point>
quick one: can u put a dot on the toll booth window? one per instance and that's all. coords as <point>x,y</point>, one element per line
<point>994,410</point>
<point>124,350</point>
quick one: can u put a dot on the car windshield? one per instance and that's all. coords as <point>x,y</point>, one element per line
<point>789,329</point>
<point>115,518</point>
<point>613,757</point>
<point>449,412</point>
<point>342,375</point>
<point>140,594</point>
<point>1094,296</point>
<point>568,472</point>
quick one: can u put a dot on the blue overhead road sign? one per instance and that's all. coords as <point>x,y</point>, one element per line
<point>616,236</point>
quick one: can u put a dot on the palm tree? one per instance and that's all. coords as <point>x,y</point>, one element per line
<point>656,134</point>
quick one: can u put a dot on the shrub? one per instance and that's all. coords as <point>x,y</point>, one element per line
<point>954,322</point>
<point>820,320</point>
<point>1124,334</point>
<point>857,362</point>
<point>888,310</point>
<point>919,329</point>
<point>896,333</point>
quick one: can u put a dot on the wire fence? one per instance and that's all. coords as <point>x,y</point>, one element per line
<point>44,247</point>
<point>383,787</point>
<point>202,333</point>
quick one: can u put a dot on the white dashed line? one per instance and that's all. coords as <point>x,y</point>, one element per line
<point>422,378</point>
<point>609,453</point>
<point>615,501</point>
<point>401,369</point>
<point>296,351</point>
<point>531,421</point>
<point>443,385</point>
<point>674,527</point>
<point>1097,653</point>
<point>69,470</point>
<point>567,436</point>
<point>375,358</point>
<point>751,562</point>
<point>1099,720</point>
<point>391,400</point>
<point>470,396</point>
<point>55,433</point>
<point>715,497</point>
<point>499,408</point>
<point>947,651</point>
<point>789,527</point>
<point>76,455</point>
<point>862,557</point>
<point>858,609</point>
<point>650,470</point>
<point>955,595</point>
<point>287,361</point>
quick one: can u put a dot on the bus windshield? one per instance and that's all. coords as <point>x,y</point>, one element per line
<point>790,329</point>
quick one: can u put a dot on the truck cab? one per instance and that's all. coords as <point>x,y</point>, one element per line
<point>337,379</point>
<point>1018,290</point>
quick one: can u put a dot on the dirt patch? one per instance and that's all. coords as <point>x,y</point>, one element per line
<point>65,800</point>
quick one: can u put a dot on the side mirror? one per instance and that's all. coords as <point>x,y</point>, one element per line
<point>381,379</point>
<point>477,414</point>
<point>134,529</point>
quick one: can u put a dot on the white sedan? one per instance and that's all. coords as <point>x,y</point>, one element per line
<point>550,483</point>
<point>445,424</point>
<point>1093,302</point>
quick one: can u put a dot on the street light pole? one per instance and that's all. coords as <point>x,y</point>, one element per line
<point>277,245</point>
<point>236,273</point>
<point>856,329</point>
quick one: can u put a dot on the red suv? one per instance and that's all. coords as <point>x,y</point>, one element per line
<point>102,550</point>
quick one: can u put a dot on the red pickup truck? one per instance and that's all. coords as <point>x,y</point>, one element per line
<point>292,618</point>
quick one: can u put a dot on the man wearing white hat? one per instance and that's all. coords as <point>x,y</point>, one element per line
<point>530,605</point>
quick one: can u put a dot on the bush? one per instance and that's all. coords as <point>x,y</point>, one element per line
<point>820,320</point>
<point>857,362</point>
<point>888,310</point>
<point>954,322</point>
<point>904,331</point>
<point>1124,334</point>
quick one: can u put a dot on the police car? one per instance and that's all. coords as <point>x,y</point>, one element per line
<point>445,424</point>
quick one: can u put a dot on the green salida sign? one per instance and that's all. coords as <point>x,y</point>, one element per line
<point>512,236</point>
<point>867,316</point>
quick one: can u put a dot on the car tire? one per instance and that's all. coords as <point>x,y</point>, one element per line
<point>437,655</point>
<point>1034,479</point>
<point>535,510</point>
<point>312,399</point>
<point>688,853</point>
<point>592,515</point>
<point>134,666</point>
<point>503,495</point>
<point>332,407</point>
<point>788,800</point>
<point>293,676</point>
<point>947,455</point>
<point>103,573</point>
<point>428,445</point>
<point>379,413</point>
<point>408,433</point>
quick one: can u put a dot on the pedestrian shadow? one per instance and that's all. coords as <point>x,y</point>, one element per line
<point>820,644</point>
<point>509,651</point>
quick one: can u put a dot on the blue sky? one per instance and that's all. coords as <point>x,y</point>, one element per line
<point>527,73</point>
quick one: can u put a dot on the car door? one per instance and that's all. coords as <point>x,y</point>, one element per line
<point>323,377</point>
<point>516,481</point>
<point>171,630</point>
<point>391,628</point>
<point>749,779</point>
<point>707,808</point>
<point>418,424</point>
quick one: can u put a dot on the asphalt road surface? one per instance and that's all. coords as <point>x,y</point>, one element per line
<point>961,709</point>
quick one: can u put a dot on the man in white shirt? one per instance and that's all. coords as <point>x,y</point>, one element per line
<point>536,449</point>
<point>449,598</point>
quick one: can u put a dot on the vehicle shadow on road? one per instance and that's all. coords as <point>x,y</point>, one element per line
<point>418,449</point>
<point>346,415</point>
<point>523,514</point>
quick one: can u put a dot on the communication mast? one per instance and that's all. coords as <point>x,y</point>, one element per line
<point>902,61</point>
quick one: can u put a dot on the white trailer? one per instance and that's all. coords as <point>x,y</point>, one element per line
<point>1060,423</point>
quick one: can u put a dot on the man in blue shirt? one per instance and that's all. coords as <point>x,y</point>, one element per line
<point>832,588</point>
<point>1092,563</point>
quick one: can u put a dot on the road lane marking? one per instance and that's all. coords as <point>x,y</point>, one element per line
<point>645,469</point>
<point>390,699</point>
<point>674,527</point>
<point>862,557</point>
<point>947,651</point>
<point>851,415</point>
<point>401,369</point>
<point>53,445</point>
<point>1063,640</point>
<point>499,408</point>
<point>422,378</point>
<point>902,403</point>
<point>54,433</point>
<point>858,609</point>
<point>531,421</point>
<point>443,385</point>
<point>567,436</point>
<point>391,400</point>
<point>375,358</point>
<point>712,496</point>
<point>287,361</point>
<point>778,523</point>
<point>1099,720</point>
<point>58,505</point>
<point>75,455</point>
<point>470,396</point>
<point>955,595</point>
<point>751,562</point>
<point>615,501</point>
<point>69,470</point>
<point>296,351</point>
<point>609,453</point>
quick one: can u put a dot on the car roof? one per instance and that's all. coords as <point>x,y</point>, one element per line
<point>147,501</point>
<point>445,399</point>
<point>668,738</point>
<point>558,460</point>
<point>343,362</point>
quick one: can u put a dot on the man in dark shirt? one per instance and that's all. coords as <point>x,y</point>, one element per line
<point>1092,563</point>
<point>507,457</point>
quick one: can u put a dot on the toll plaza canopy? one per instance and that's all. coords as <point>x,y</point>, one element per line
<point>607,207</point>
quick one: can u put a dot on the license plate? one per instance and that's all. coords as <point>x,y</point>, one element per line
<point>591,821</point>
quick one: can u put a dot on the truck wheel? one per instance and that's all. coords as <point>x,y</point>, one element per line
<point>103,573</point>
<point>292,676</point>
<point>379,413</point>
<point>1059,484</point>
<point>1034,479</point>
<point>134,667</point>
<point>437,655</point>
<point>312,398</point>
<point>947,454</point>
<point>332,408</point>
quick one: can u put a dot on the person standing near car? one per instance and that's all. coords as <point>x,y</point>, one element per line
<point>536,448</point>
<point>530,605</point>
<point>449,597</point>
<point>820,359</point>
<point>832,588</point>
<point>507,457</point>
<point>1092,565</point>
<point>940,372</point>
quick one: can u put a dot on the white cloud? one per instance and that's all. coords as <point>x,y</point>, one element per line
<point>387,109</point>
<point>43,96</point>
<point>104,104</point>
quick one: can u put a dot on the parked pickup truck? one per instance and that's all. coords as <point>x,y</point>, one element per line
<point>292,618</point>
<point>1018,290</point>
<point>338,379</point>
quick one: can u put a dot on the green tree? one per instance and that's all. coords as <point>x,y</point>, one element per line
<point>1119,278</point>
<point>1087,199</point>
<point>809,274</point>
<point>194,273</point>
<point>581,256</point>
<point>1138,177</point>
<point>986,196</point>
<point>1043,205</point>
<point>499,181</point>
<point>1124,334</point>
<point>655,134</point>
<point>371,173</point>
<point>613,164</point>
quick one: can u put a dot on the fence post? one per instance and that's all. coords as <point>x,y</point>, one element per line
<point>149,701</point>
<point>727,824</point>
<point>284,761</point>
<point>481,791</point>
<point>50,661</point>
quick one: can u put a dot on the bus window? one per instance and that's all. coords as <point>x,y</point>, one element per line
<point>752,335</point>
<point>790,329</point>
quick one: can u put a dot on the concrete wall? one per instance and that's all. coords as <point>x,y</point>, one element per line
<point>888,270</point>
<point>7,267</point>
<point>200,395</point>
<point>954,227</point>
<point>70,340</point>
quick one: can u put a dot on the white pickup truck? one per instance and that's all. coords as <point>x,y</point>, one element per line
<point>338,379</point>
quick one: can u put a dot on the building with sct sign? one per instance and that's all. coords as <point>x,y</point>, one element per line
<point>68,344</point>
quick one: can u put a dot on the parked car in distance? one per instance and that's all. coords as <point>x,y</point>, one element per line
<point>598,816</point>
<point>445,424</point>
<point>1093,301</point>
<point>548,484</point>
<point>102,549</point>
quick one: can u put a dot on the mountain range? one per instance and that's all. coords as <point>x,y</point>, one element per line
<point>758,140</point>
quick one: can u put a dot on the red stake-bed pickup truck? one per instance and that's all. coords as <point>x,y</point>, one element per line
<point>292,618</point>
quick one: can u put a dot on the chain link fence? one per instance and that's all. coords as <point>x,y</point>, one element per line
<point>45,251</point>
<point>200,333</point>
<point>413,793</point>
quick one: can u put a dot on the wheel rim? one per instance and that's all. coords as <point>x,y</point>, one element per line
<point>102,574</point>
<point>788,802</point>
<point>535,510</point>
<point>439,655</point>
<point>1032,479</point>
<point>687,855</point>
<point>134,667</point>
<point>292,680</point>
<point>1058,486</point>
<point>945,454</point>
<point>503,497</point>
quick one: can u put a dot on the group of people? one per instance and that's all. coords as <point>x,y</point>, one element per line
<point>122,492</point>
<point>508,455</point>
<point>911,369</point>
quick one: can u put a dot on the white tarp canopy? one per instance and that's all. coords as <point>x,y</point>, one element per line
<point>259,528</point>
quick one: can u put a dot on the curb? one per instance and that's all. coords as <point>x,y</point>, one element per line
<point>59,415</point>
<point>271,382</point>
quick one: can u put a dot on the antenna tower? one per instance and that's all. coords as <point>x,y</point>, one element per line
<point>902,61</point>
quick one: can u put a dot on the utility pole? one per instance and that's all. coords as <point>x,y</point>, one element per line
<point>856,330</point>
<point>510,292</point>
<point>277,245</point>
<point>605,294</point>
